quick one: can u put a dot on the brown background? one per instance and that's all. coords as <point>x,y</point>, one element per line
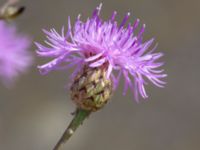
<point>34,114</point>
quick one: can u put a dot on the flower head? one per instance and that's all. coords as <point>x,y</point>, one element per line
<point>97,43</point>
<point>14,57</point>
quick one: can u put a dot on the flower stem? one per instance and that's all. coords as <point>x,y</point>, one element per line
<point>78,119</point>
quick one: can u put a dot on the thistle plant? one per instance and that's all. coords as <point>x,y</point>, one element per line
<point>14,55</point>
<point>101,52</point>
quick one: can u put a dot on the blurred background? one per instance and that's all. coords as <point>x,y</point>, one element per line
<point>35,113</point>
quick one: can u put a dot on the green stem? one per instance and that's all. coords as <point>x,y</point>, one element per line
<point>78,119</point>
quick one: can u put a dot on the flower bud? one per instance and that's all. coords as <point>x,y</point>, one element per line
<point>91,89</point>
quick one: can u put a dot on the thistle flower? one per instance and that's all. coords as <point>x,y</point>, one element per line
<point>101,52</point>
<point>14,57</point>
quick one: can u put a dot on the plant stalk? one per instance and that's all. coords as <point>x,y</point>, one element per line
<point>80,116</point>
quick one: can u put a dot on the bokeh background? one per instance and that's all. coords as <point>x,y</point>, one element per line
<point>35,113</point>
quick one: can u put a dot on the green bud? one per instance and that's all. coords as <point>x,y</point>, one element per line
<point>91,90</point>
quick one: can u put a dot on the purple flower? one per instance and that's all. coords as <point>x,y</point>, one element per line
<point>14,57</point>
<point>105,43</point>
